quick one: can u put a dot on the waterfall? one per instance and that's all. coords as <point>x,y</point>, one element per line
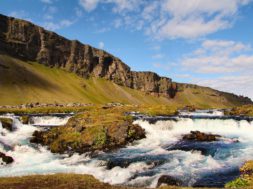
<point>144,161</point>
<point>48,120</point>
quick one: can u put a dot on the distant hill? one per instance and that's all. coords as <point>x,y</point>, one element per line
<point>39,65</point>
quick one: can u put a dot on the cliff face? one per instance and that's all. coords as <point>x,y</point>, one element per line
<point>30,42</point>
<point>27,41</point>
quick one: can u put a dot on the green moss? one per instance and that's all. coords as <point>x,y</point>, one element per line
<point>131,133</point>
<point>238,183</point>
<point>24,119</point>
<point>100,138</point>
<point>246,110</point>
<point>6,123</point>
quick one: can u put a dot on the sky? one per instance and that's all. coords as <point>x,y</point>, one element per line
<point>205,42</point>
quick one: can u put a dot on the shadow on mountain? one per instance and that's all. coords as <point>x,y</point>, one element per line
<point>15,73</point>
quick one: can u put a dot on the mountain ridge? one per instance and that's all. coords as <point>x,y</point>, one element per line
<point>29,42</point>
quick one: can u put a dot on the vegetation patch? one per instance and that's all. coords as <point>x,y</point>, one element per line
<point>7,123</point>
<point>246,110</point>
<point>246,178</point>
<point>237,183</point>
<point>99,128</point>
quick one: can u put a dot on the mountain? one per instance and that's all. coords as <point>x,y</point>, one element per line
<point>28,51</point>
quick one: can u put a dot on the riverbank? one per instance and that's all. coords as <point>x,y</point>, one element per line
<point>64,181</point>
<point>246,110</point>
<point>130,159</point>
<point>37,108</point>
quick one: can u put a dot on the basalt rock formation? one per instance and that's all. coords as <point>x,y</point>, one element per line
<point>27,41</point>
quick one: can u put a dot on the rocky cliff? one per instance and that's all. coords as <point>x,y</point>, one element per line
<point>25,40</point>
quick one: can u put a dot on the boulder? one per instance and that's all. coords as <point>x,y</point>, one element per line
<point>202,137</point>
<point>7,123</point>
<point>168,180</point>
<point>24,119</point>
<point>6,159</point>
<point>37,137</point>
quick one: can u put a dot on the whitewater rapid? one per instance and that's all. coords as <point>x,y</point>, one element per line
<point>144,161</point>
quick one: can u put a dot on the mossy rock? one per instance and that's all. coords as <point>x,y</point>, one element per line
<point>246,178</point>
<point>237,183</point>
<point>24,119</point>
<point>7,123</point>
<point>246,110</point>
<point>96,129</point>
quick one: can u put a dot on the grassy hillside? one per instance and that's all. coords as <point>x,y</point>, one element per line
<point>23,82</point>
<point>63,181</point>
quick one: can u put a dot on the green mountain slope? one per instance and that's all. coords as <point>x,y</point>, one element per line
<point>24,82</point>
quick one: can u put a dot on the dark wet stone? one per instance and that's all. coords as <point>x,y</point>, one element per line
<point>24,119</point>
<point>7,123</point>
<point>37,137</point>
<point>202,137</point>
<point>168,180</point>
<point>5,158</point>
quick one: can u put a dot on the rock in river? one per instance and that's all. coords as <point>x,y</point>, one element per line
<point>202,137</point>
<point>6,159</point>
<point>7,123</point>
<point>168,180</point>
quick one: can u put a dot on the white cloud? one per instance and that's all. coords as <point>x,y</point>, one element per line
<point>189,28</point>
<point>157,56</point>
<point>20,14</point>
<point>46,1</point>
<point>195,18</point>
<point>52,10</point>
<point>101,45</point>
<point>117,23</point>
<point>78,12</point>
<point>89,5</point>
<point>231,61</point>
<point>171,19</point>
<point>58,25</point>
<point>219,56</point>
<point>103,30</point>
<point>241,85</point>
<point>163,66</point>
<point>183,9</point>
<point>156,47</point>
<point>125,5</point>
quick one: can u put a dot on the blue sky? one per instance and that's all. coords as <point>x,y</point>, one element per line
<point>207,42</point>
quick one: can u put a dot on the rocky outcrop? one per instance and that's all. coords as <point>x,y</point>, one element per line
<point>7,123</point>
<point>25,40</point>
<point>168,180</point>
<point>6,159</point>
<point>98,129</point>
<point>202,137</point>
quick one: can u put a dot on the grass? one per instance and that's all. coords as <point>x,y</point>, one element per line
<point>99,128</point>
<point>237,183</point>
<point>62,181</point>
<point>25,82</point>
<point>45,110</point>
<point>95,129</point>
<point>246,110</point>
<point>246,178</point>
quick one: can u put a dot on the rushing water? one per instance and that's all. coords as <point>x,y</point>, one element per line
<point>143,162</point>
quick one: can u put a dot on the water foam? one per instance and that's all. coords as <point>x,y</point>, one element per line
<point>148,158</point>
<point>48,120</point>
